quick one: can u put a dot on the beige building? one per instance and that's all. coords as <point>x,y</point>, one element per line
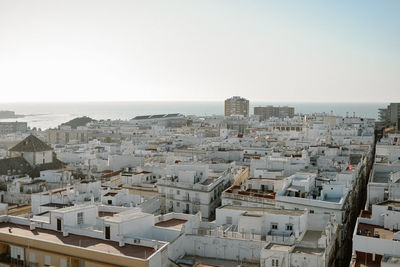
<point>64,137</point>
<point>237,105</point>
<point>80,236</point>
<point>271,111</point>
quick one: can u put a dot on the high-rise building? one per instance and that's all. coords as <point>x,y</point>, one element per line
<point>271,111</point>
<point>390,115</point>
<point>237,105</point>
<point>13,127</point>
<point>394,112</point>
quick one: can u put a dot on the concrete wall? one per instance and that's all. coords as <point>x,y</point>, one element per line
<point>223,248</point>
<point>17,198</point>
<point>117,162</point>
<point>375,245</point>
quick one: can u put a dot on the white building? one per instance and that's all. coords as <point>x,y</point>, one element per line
<point>376,237</point>
<point>193,188</point>
<point>33,150</point>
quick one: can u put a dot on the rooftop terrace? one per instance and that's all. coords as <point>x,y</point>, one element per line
<point>99,245</point>
<point>374,231</point>
<point>236,190</point>
<point>172,224</point>
<point>266,210</point>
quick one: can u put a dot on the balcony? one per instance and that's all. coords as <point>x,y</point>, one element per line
<point>17,262</point>
<point>280,237</point>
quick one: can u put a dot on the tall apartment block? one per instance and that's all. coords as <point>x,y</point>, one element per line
<point>237,105</point>
<point>13,127</point>
<point>390,115</point>
<point>271,111</point>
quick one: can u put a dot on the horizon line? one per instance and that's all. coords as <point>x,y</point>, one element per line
<point>199,101</point>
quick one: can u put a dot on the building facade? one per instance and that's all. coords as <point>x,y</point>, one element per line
<point>13,127</point>
<point>33,150</point>
<point>271,111</point>
<point>237,105</point>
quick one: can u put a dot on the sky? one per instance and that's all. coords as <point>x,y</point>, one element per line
<point>204,50</point>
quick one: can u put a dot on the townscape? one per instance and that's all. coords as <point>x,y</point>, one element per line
<point>270,187</point>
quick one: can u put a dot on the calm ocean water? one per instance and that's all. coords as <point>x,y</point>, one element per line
<point>49,115</point>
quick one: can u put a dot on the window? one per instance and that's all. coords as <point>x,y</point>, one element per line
<point>289,227</point>
<point>107,232</point>
<point>63,262</point>
<point>109,202</point>
<point>178,204</point>
<point>79,217</point>
<point>274,226</point>
<point>32,257</point>
<point>178,192</point>
<point>228,220</point>
<point>275,262</point>
<point>47,260</point>
<point>311,211</point>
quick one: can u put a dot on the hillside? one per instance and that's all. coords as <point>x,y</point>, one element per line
<point>81,121</point>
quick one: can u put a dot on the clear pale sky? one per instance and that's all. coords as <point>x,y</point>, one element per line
<point>200,50</point>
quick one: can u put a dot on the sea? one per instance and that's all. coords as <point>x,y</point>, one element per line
<point>51,114</point>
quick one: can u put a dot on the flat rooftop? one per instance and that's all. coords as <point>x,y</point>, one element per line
<point>190,260</point>
<point>380,177</point>
<point>118,218</point>
<point>207,181</point>
<point>315,251</point>
<point>236,190</point>
<point>277,178</point>
<point>172,224</point>
<point>333,199</point>
<point>104,246</point>
<point>391,203</point>
<point>312,236</point>
<point>278,247</point>
<point>265,210</point>
<point>392,260</point>
<point>374,231</point>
